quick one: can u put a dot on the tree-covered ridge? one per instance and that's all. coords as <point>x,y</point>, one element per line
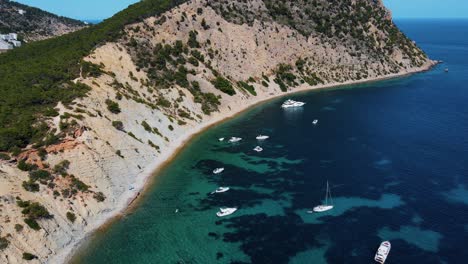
<point>34,78</point>
<point>33,23</point>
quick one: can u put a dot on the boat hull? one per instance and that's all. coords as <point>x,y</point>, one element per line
<point>382,252</point>
<point>226,212</point>
<point>322,208</point>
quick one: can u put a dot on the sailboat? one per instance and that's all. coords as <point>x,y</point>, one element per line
<point>325,207</point>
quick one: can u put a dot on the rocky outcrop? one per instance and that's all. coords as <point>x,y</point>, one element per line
<point>169,77</point>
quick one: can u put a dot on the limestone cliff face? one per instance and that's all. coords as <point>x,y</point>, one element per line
<point>172,75</point>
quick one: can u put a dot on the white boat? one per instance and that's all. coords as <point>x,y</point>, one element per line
<point>315,122</point>
<point>235,139</point>
<point>262,137</point>
<point>226,211</point>
<point>221,139</point>
<point>218,170</point>
<point>291,103</point>
<point>325,207</point>
<point>382,252</point>
<point>221,190</point>
<point>258,149</point>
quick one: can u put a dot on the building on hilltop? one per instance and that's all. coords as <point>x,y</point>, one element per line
<point>9,41</point>
<point>4,46</point>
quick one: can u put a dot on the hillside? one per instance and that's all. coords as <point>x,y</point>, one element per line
<point>33,24</point>
<point>88,116</point>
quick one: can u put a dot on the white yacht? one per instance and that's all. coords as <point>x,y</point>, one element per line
<point>218,170</point>
<point>258,149</point>
<point>382,252</point>
<point>315,122</point>
<point>262,137</point>
<point>221,139</point>
<point>221,190</point>
<point>226,211</point>
<point>324,207</point>
<point>235,139</point>
<point>291,103</point>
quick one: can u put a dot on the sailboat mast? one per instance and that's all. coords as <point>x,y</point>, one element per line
<point>326,195</point>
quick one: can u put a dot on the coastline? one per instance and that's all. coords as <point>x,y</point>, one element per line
<point>130,199</point>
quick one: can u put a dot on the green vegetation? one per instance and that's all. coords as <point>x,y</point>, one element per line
<point>22,165</point>
<point>99,196</point>
<point>33,212</point>
<point>78,185</point>
<point>4,156</point>
<point>71,217</point>
<point>18,227</point>
<point>62,167</point>
<point>35,77</point>
<point>30,186</point>
<point>39,175</point>
<point>113,107</point>
<point>247,87</point>
<point>118,125</point>
<point>146,126</point>
<point>224,85</point>
<point>4,243</point>
<point>29,256</point>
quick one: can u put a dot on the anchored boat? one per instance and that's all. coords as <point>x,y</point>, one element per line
<point>291,103</point>
<point>218,170</point>
<point>324,207</point>
<point>226,211</point>
<point>221,190</point>
<point>382,252</point>
<point>235,139</point>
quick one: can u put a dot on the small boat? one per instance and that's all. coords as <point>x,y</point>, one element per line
<point>221,190</point>
<point>315,122</point>
<point>262,137</point>
<point>258,149</point>
<point>221,139</point>
<point>324,207</point>
<point>176,210</point>
<point>226,211</point>
<point>218,170</point>
<point>235,139</point>
<point>382,252</point>
<point>446,70</point>
<point>131,188</point>
<point>291,103</point>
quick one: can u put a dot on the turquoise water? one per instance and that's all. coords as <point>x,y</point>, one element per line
<point>395,153</point>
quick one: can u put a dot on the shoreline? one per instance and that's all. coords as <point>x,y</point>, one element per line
<point>147,179</point>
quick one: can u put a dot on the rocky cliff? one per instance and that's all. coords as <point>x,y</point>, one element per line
<point>33,24</point>
<point>166,77</point>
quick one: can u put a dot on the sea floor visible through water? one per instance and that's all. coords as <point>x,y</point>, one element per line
<point>395,154</point>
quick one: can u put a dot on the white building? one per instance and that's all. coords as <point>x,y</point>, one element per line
<point>9,41</point>
<point>9,37</point>
<point>21,11</point>
<point>5,45</point>
<point>16,43</point>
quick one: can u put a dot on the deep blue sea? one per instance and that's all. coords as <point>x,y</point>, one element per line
<point>395,153</point>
